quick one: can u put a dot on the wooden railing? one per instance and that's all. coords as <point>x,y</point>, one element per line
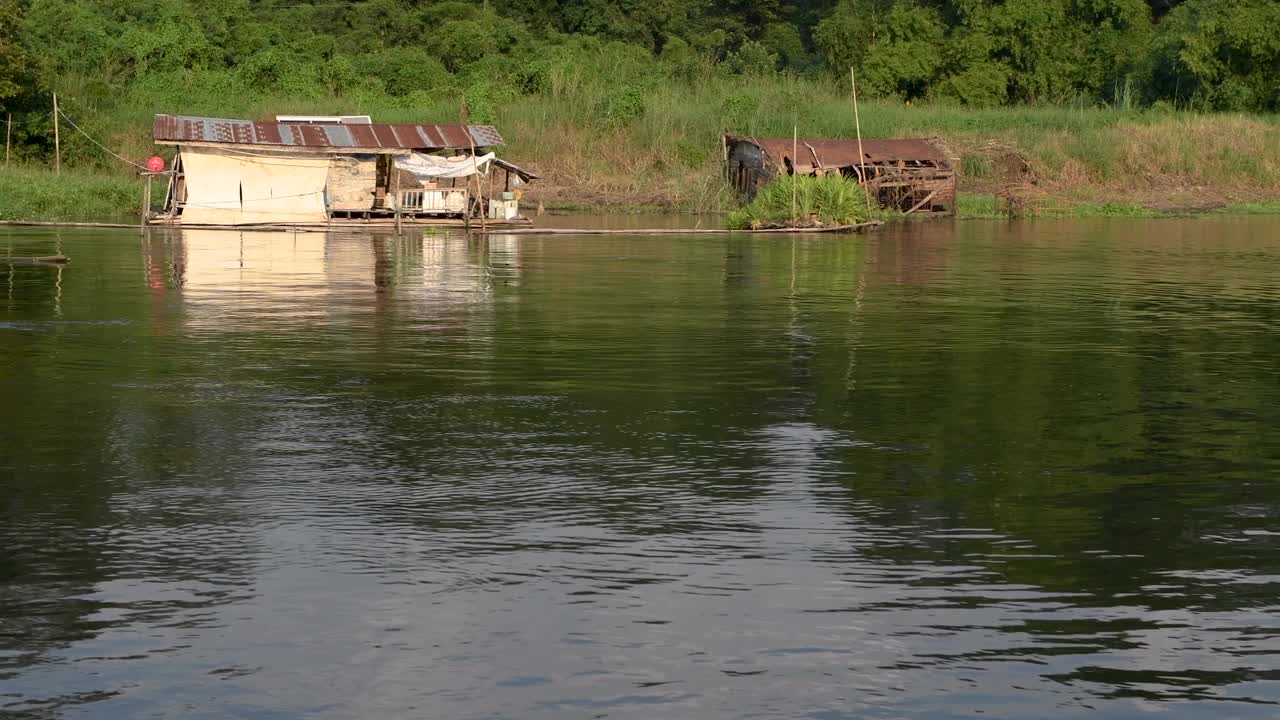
<point>433,200</point>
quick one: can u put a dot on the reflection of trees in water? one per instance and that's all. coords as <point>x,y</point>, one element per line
<point>955,423</point>
<point>31,289</point>
<point>1009,401</point>
<point>131,521</point>
<point>1049,407</point>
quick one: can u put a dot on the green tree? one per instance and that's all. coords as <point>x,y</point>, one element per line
<point>1219,54</point>
<point>905,60</point>
<point>72,37</point>
<point>15,64</point>
<point>847,33</point>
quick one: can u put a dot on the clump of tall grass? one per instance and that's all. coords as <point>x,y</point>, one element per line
<point>803,202</point>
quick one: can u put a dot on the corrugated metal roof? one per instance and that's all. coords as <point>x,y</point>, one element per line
<point>844,153</point>
<point>179,128</point>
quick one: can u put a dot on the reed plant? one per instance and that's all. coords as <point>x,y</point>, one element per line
<point>803,202</point>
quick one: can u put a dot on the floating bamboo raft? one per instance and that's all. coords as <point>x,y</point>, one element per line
<point>33,259</point>
<point>835,229</point>
<point>490,230</point>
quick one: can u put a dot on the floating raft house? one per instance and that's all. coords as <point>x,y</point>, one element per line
<point>302,170</point>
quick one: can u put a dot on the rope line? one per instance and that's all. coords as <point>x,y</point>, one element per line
<point>220,204</point>
<point>39,118</point>
<point>95,142</point>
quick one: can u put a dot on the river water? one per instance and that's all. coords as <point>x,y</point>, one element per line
<point>989,470</point>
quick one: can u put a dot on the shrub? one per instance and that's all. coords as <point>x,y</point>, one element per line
<point>739,110</point>
<point>462,42</point>
<point>624,105</point>
<point>405,70</point>
<point>692,154</point>
<point>482,101</point>
<point>752,58</point>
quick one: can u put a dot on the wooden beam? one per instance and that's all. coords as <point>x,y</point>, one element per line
<point>923,202</point>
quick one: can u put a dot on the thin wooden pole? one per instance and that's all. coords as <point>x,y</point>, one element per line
<point>857,121</point>
<point>395,191</point>
<point>795,144</point>
<point>479,188</point>
<point>146,204</point>
<point>8,133</point>
<point>491,188</point>
<point>924,202</point>
<point>57,139</point>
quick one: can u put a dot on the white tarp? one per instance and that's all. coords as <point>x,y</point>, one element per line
<point>285,189</point>
<point>213,187</point>
<point>434,166</point>
<point>228,187</point>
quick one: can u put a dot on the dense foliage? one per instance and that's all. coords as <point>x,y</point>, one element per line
<point>468,58</point>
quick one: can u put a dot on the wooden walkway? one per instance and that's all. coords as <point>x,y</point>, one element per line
<point>475,230</point>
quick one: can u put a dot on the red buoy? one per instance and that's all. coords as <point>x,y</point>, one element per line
<point>155,164</point>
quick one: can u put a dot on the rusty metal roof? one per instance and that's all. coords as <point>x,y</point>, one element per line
<point>179,129</point>
<point>844,153</point>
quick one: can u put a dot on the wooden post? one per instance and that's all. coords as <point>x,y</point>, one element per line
<point>146,203</point>
<point>57,139</point>
<point>491,186</point>
<point>479,187</point>
<point>857,121</point>
<point>484,226</point>
<point>466,208</point>
<point>8,132</point>
<point>795,144</point>
<point>395,191</point>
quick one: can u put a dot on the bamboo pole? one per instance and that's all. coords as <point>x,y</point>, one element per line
<point>857,121</point>
<point>146,204</point>
<point>57,139</point>
<point>395,191</point>
<point>795,143</point>
<point>479,187</point>
<point>830,230</point>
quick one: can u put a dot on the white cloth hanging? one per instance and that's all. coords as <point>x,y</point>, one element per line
<point>434,166</point>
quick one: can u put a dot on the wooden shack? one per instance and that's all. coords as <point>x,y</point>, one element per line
<point>342,169</point>
<point>907,175</point>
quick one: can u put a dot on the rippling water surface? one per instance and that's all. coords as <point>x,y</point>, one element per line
<point>984,470</point>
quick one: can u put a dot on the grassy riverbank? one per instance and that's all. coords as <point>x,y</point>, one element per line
<point>659,148</point>
<point>77,195</point>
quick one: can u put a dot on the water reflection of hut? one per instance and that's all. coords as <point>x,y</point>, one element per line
<point>901,174</point>
<point>335,170</point>
<point>295,277</point>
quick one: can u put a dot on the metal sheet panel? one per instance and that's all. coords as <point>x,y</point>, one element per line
<point>521,172</point>
<point>178,128</point>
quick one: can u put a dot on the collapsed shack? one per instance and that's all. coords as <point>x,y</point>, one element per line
<point>312,171</point>
<point>905,175</point>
